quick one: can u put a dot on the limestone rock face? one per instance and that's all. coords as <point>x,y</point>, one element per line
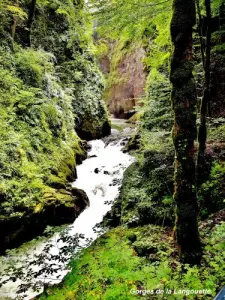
<point>124,94</point>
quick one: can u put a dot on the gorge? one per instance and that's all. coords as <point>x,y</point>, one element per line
<point>112,149</point>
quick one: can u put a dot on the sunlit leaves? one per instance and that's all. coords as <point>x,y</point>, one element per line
<point>16,11</point>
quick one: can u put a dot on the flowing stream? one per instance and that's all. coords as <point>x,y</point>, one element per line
<point>100,176</point>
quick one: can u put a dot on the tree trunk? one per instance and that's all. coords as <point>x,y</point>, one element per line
<point>14,23</point>
<point>200,25</point>
<point>32,7</point>
<point>202,169</point>
<point>184,100</point>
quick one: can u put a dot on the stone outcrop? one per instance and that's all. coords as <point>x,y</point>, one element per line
<point>18,229</point>
<point>124,93</point>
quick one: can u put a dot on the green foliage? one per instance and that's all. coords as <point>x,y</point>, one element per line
<point>216,129</point>
<point>73,48</point>
<point>216,4</point>
<point>112,267</point>
<point>133,24</point>
<point>211,194</point>
<point>37,132</point>
<point>142,24</point>
<point>32,64</point>
<point>83,74</point>
<point>146,194</point>
<point>16,12</point>
<point>50,97</point>
<point>157,114</point>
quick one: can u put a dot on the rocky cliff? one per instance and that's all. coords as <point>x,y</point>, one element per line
<point>126,80</point>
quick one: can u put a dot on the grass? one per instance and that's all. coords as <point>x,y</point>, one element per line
<point>114,266</point>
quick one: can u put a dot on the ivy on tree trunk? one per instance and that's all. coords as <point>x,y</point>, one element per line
<point>184,100</point>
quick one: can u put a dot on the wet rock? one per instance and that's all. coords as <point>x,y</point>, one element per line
<point>106,128</point>
<point>88,147</point>
<point>80,157</point>
<point>94,129</point>
<point>60,207</point>
<point>132,144</point>
<point>122,143</point>
<point>96,170</point>
<point>116,172</point>
<point>80,198</point>
<point>115,182</point>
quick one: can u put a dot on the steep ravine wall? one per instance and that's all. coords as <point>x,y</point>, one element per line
<point>51,98</point>
<point>127,86</point>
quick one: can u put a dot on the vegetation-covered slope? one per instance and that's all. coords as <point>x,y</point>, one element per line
<point>50,98</point>
<point>135,263</point>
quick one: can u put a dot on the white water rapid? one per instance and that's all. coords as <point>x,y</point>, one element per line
<point>100,176</point>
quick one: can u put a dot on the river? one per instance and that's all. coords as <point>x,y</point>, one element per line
<point>100,176</point>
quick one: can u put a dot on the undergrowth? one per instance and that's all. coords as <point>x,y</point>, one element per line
<point>142,258</point>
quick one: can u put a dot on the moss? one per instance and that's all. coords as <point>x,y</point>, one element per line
<point>157,112</point>
<point>211,194</point>
<point>54,209</point>
<point>182,22</point>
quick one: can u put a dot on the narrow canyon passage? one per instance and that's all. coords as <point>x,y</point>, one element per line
<point>100,176</point>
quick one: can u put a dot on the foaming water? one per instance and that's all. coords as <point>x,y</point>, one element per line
<point>100,176</point>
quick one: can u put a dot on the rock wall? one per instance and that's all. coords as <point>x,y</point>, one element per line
<point>78,71</point>
<point>124,93</point>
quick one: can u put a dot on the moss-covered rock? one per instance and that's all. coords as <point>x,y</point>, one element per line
<point>78,70</point>
<point>56,208</point>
